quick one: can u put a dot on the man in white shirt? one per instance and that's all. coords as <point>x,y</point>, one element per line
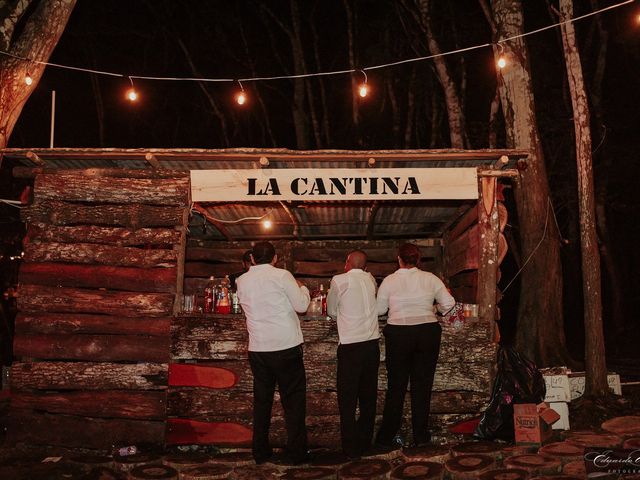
<point>412,342</point>
<point>270,298</point>
<point>352,302</point>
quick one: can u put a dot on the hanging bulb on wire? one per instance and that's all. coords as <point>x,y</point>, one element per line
<point>132,95</point>
<point>502,61</point>
<point>267,224</point>
<point>241,96</point>
<point>28,79</point>
<point>363,88</point>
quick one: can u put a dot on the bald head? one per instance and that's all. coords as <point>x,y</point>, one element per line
<point>356,259</point>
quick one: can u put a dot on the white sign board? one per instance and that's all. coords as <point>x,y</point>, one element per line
<point>577,382</point>
<point>558,389</point>
<point>269,184</point>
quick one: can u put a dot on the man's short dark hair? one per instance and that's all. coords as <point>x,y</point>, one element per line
<point>246,256</point>
<point>409,254</point>
<point>263,252</point>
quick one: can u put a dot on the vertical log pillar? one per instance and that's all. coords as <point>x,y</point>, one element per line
<point>488,232</point>
<point>181,250</point>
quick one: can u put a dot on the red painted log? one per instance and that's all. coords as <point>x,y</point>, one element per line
<point>182,461</point>
<point>309,473</point>
<point>505,474</point>
<point>88,376</point>
<point>115,236</point>
<point>469,466</point>
<point>623,426</point>
<point>102,404</point>
<point>207,472</point>
<point>369,469</point>
<point>592,439</point>
<point>190,432</point>
<point>477,448</point>
<point>93,253</point>
<point>71,431</point>
<point>418,470</point>
<point>188,375</point>
<point>565,451</point>
<point>71,187</point>
<point>97,348</point>
<point>31,172</point>
<point>64,323</point>
<point>535,464</point>
<point>134,216</point>
<point>42,299</point>
<point>429,453</point>
<point>98,276</point>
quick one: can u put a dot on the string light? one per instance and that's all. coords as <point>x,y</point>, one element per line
<point>363,89</point>
<point>28,79</point>
<point>241,97</point>
<point>132,95</point>
<point>502,62</point>
<point>267,224</point>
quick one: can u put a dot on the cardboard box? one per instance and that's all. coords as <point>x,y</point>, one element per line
<point>533,423</point>
<point>577,381</point>
<point>562,408</point>
<point>558,388</point>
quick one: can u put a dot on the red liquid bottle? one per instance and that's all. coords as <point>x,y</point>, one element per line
<point>209,296</point>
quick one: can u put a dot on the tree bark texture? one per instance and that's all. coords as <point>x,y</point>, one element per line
<point>88,376</point>
<point>36,39</point>
<point>595,362</point>
<point>455,112</point>
<point>540,333</point>
<point>115,237</point>
<point>68,324</point>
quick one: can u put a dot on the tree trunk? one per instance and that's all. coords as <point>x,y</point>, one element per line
<point>39,34</point>
<point>455,113</point>
<point>595,363</point>
<point>540,327</point>
<point>300,121</point>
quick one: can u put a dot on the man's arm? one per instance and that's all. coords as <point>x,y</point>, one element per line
<point>332,299</point>
<point>382,300</point>
<point>297,294</point>
<point>444,300</point>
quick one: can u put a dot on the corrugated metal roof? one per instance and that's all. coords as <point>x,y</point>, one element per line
<point>303,220</point>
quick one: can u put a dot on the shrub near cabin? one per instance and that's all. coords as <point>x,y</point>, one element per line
<point>303,186</point>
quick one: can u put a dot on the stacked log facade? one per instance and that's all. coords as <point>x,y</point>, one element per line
<point>210,393</point>
<point>98,288</point>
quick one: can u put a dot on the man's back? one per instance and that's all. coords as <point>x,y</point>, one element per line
<point>352,301</point>
<point>270,298</point>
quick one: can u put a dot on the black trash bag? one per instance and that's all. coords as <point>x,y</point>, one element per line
<point>518,381</point>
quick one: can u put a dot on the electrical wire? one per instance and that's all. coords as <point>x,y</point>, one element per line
<point>318,74</point>
<point>210,218</point>
<point>12,203</point>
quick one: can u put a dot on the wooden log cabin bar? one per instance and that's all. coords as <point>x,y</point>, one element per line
<point>103,355</point>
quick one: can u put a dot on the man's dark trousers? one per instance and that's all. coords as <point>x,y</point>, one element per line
<point>411,355</point>
<point>357,384</point>
<point>284,368</point>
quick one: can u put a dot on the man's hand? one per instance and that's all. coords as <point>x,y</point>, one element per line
<point>300,284</point>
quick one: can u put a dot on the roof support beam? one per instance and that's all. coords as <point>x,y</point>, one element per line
<point>373,211</point>
<point>152,160</point>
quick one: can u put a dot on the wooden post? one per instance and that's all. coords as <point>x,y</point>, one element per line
<point>488,231</point>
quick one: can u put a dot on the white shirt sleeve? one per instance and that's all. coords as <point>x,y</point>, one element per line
<point>332,299</point>
<point>444,300</point>
<point>298,296</point>
<point>382,299</point>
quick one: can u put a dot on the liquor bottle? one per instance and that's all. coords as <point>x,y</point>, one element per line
<point>323,300</point>
<point>223,303</point>
<point>209,295</point>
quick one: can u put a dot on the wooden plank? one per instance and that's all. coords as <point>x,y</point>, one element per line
<point>43,299</point>
<point>466,260</point>
<point>222,254</point>
<point>91,253</point>
<point>140,405</point>
<point>83,432</point>
<point>205,270</point>
<point>72,187</point>
<point>114,236</point>
<point>209,376</point>
<point>59,323</point>
<point>100,276</point>
<point>96,348</point>
<point>30,172</point>
<point>466,241</point>
<point>191,432</point>
<point>208,404</point>
<point>134,216</point>
<point>88,376</point>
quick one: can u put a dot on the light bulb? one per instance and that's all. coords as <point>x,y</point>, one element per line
<point>267,224</point>
<point>363,90</point>
<point>132,95</point>
<point>27,79</point>
<point>502,62</point>
<point>241,98</point>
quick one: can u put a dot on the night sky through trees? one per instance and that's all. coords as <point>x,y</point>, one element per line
<point>405,109</point>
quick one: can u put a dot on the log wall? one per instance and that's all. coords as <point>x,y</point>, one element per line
<point>99,282</point>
